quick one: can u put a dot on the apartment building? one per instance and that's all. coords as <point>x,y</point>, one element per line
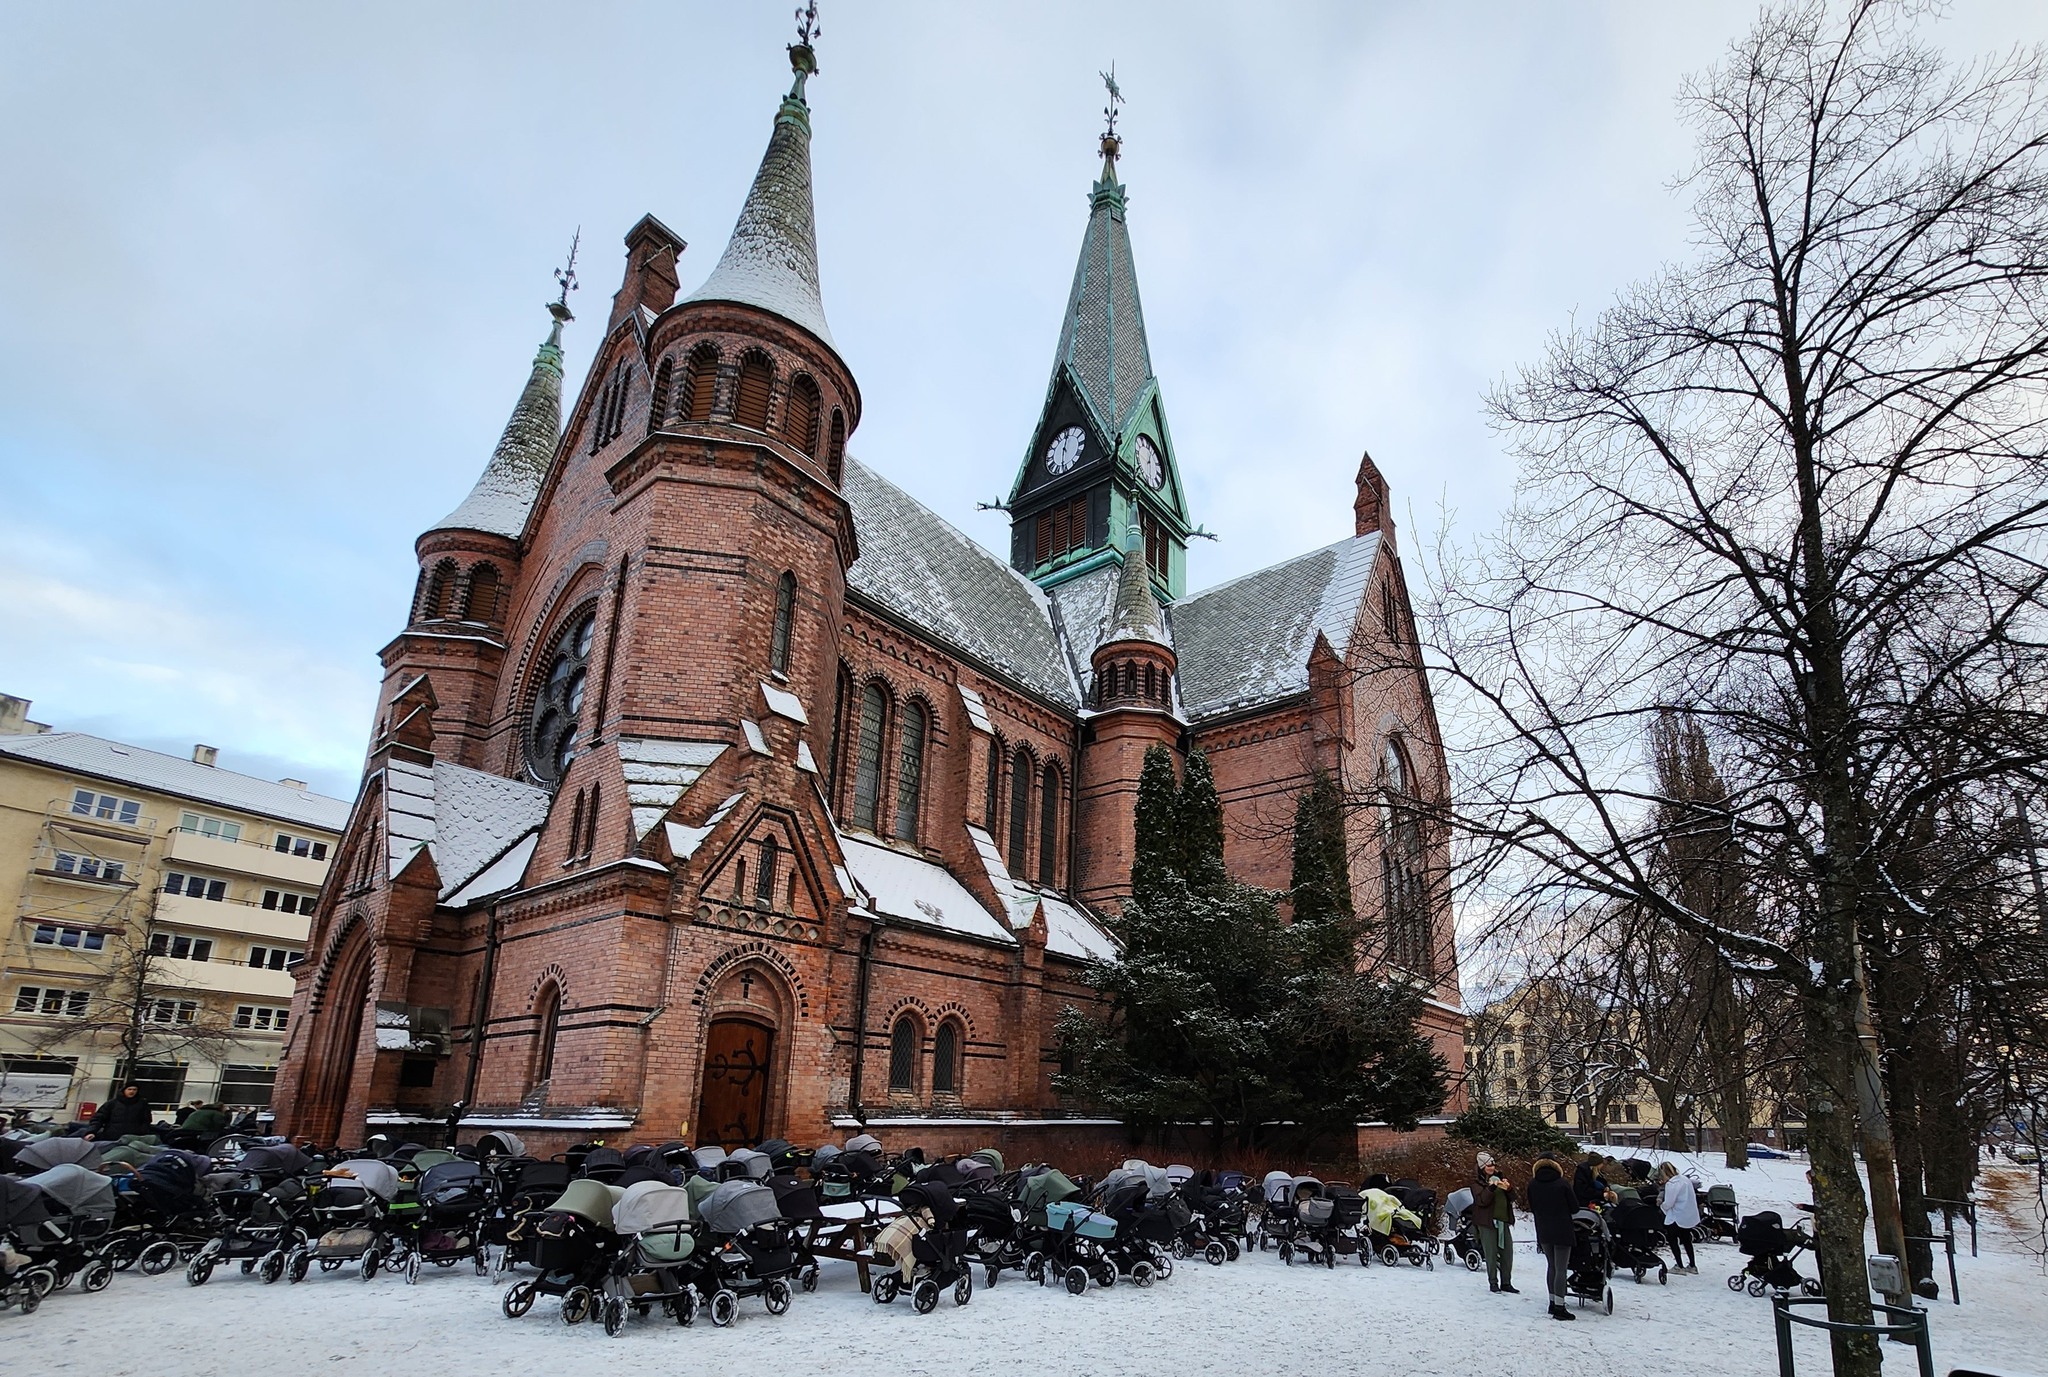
<point>160,905</point>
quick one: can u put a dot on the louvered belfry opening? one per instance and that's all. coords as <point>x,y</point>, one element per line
<point>657,404</point>
<point>700,385</point>
<point>750,398</point>
<point>800,419</point>
<point>835,453</point>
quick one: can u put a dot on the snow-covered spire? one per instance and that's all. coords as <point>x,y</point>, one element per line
<point>499,503</point>
<point>771,261</point>
<point>1136,616</point>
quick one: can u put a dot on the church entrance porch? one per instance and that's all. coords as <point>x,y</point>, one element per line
<point>738,1067</point>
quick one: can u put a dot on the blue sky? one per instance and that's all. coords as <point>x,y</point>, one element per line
<point>276,274</point>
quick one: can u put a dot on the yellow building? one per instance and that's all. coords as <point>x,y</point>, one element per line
<point>161,904</point>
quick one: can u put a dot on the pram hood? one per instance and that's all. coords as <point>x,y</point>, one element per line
<point>990,1156</point>
<point>377,1177</point>
<point>737,1206</point>
<point>1046,1188</point>
<point>45,1153</point>
<point>1277,1187</point>
<point>501,1142</point>
<point>541,1176</point>
<point>943,1174</point>
<point>1305,1188</point>
<point>708,1158</point>
<point>1636,1217</point>
<point>933,1197</point>
<point>428,1158</point>
<point>1383,1211</point>
<point>169,1180</point>
<point>22,1206</point>
<point>749,1164</point>
<point>275,1160</point>
<point>864,1142</point>
<point>78,1190</point>
<point>650,1205</point>
<point>795,1199</point>
<point>823,1157</point>
<point>441,1182</point>
<point>1179,1173</point>
<point>587,1199</point>
<point>974,1171</point>
<point>1458,1203</point>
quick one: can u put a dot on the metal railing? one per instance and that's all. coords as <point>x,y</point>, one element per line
<point>1912,1329</point>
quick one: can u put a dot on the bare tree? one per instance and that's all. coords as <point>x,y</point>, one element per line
<point>1796,486</point>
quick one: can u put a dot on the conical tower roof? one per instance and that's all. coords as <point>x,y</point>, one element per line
<point>504,494</point>
<point>1136,615</point>
<point>771,261</point>
<point>1102,337</point>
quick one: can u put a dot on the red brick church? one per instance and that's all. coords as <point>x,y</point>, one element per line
<point>721,790</point>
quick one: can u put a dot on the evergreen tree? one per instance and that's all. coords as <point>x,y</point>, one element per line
<point>1322,853</point>
<point>1200,815</point>
<point>1158,826</point>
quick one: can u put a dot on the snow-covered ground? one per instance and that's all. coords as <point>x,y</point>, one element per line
<point>1253,1316</point>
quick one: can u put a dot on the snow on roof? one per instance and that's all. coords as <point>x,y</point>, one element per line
<point>1083,607</point>
<point>919,568</point>
<point>1246,643</point>
<point>187,779</point>
<point>408,811</point>
<point>916,890</point>
<point>977,710</point>
<point>1071,932</point>
<point>505,491</point>
<point>683,840</point>
<point>1018,900</point>
<point>783,703</point>
<point>500,875</point>
<point>658,772</point>
<point>477,818</point>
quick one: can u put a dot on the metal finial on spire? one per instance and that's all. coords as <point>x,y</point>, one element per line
<point>803,57</point>
<point>807,30</point>
<point>566,276</point>
<point>1116,100</point>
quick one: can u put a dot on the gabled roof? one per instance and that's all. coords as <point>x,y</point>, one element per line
<point>169,774</point>
<point>466,819</point>
<point>912,889</point>
<point>1246,643</point>
<point>915,566</point>
<point>505,492</point>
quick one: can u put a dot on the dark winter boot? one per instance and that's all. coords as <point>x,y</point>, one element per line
<point>1558,1312</point>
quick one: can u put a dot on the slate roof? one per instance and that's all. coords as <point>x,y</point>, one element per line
<point>1083,607</point>
<point>924,571</point>
<point>169,774</point>
<point>504,493</point>
<point>1246,643</point>
<point>1102,337</point>
<point>918,891</point>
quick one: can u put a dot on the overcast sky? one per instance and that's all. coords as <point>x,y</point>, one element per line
<point>276,273</point>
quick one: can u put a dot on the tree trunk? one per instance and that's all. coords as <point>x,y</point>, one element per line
<point>1838,1196</point>
<point>1673,1113</point>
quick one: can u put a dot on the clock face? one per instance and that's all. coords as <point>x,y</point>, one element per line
<point>1065,451</point>
<point>1150,468</point>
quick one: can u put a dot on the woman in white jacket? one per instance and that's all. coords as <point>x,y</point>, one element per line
<point>1681,1217</point>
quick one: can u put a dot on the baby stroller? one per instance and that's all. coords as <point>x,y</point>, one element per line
<point>78,1216</point>
<point>1770,1249</point>
<point>752,1249</point>
<point>995,1232</point>
<point>659,1264</point>
<point>797,1202</point>
<point>926,1251</point>
<point>348,1211</point>
<point>1312,1237</point>
<point>1060,1237</point>
<point>261,1211</point>
<point>1215,1219</point>
<point>1420,1201</point>
<point>1395,1233</point>
<point>525,1190</point>
<point>1137,1197</point>
<point>1717,1212</point>
<point>1588,1276</point>
<point>573,1246</point>
<point>1638,1230</point>
<point>455,1201</point>
<point>24,1279</point>
<point>1463,1243</point>
<point>1276,1218</point>
<point>161,1218</point>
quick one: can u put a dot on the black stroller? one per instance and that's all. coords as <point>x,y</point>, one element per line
<point>1215,1218</point>
<point>994,1231</point>
<point>1463,1243</point>
<point>1638,1232</point>
<point>348,1214</point>
<point>1136,1197</point>
<point>261,1211</point>
<point>24,1279</point>
<point>1770,1250</point>
<point>753,1250</point>
<point>573,1245</point>
<point>1591,1271</point>
<point>926,1248</point>
<point>78,1219</point>
<point>526,1189</point>
<point>161,1219</point>
<point>456,1200</point>
<point>1718,1213</point>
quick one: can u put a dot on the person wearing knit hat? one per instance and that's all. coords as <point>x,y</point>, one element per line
<point>1493,1219</point>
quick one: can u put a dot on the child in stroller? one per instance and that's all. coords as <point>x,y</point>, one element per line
<point>456,1198</point>
<point>348,1210</point>
<point>261,1213</point>
<point>752,1250</point>
<point>925,1248</point>
<point>1770,1250</point>
<point>1638,1232</point>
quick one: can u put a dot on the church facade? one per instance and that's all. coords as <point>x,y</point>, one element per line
<point>719,790</point>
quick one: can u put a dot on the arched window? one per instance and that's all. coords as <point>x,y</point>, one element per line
<point>909,770</point>
<point>995,786</point>
<point>800,417</point>
<point>750,399</point>
<point>1020,808</point>
<point>842,704</point>
<point>946,1059</point>
<point>700,384</point>
<point>903,1054</point>
<point>482,603</point>
<point>1048,826</point>
<point>764,879</point>
<point>657,402</point>
<point>440,598</point>
<point>835,447</point>
<point>558,702</point>
<point>785,616</point>
<point>547,1022</point>
<point>1404,884</point>
<point>867,764</point>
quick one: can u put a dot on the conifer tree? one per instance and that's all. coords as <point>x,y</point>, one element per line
<point>1322,856</point>
<point>1158,826</point>
<point>1200,815</point>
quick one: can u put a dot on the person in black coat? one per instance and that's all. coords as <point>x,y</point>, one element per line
<point>127,1113</point>
<point>1552,1202</point>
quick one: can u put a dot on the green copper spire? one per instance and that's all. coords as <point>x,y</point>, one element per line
<point>1136,616</point>
<point>504,494</point>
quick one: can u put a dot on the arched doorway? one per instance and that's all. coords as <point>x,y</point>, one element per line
<point>346,1002</point>
<point>739,1073</point>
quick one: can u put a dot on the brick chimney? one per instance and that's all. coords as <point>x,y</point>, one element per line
<point>651,252</point>
<point>14,718</point>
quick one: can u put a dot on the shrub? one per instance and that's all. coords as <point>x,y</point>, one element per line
<point>1513,1129</point>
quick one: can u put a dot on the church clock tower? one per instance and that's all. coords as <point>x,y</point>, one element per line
<point>1101,460</point>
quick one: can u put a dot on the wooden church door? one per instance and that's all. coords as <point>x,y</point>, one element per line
<point>738,1056</point>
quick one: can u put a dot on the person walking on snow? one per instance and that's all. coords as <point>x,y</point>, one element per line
<point>1551,1205</point>
<point>1681,1216</point>
<point>1493,1215</point>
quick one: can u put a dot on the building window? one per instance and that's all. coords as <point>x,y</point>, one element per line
<point>210,827</point>
<point>284,901</point>
<point>1404,884</point>
<point>105,807</point>
<point>1390,612</point>
<point>800,417</point>
<point>195,886</point>
<point>764,878</point>
<point>246,1086</point>
<point>548,1021</point>
<point>162,1082</point>
<point>1628,1112</point>
<point>272,958</point>
<point>867,763</point>
<point>170,1013</point>
<point>909,770</point>
<point>50,935</point>
<point>700,385</point>
<point>1507,1058</point>
<point>35,999</point>
<point>657,401</point>
<point>995,786</point>
<point>946,1059</point>
<point>1062,529</point>
<point>261,1018</point>
<point>750,398</point>
<point>179,947</point>
<point>1564,1113</point>
<point>903,1054</point>
<point>88,867</point>
<point>480,604</point>
<point>1020,809</point>
<point>1048,826</point>
<point>558,703</point>
<point>835,447</point>
<point>301,846</point>
<point>785,621</point>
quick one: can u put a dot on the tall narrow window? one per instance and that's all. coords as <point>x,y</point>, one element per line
<point>909,770</point>
<point>842,704</point>
<point>750,399</point>
<point>547,1024</point>
<point>657,403</point>
<point>867,765</point>
<point>1020,808</point>
<point>835,447</point>
<point>785,616</point>
<point>700,385</point>
<point>903,1054</point>
<point>482,603</point>
<point>1404,886</point>
<point>1048,826</point>
<point>946,1059</point>
<point>995,786</point>
<point>764,879</point>
<point>800,417</point>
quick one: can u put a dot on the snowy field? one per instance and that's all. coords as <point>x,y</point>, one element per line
<point>1248,1319</point>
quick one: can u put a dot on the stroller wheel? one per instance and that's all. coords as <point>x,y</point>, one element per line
<point>577,1303</point>
<point>614,1316</point>
<point>963,1289</point>
<point>31,1300</point>
<point>1812,1287</point>
<point>1162,1266</point>
<point>1215,1255</point>
<point>925,1296</point>
<point>1105,1274</point>
<point>297,1265</point>
<point>1141,1274</point>
<point>270,1267</point>
<point>1610,1300</point>
<point>1180,1248</point>
<point>989,1274</point>
<point>1473,1262</point>
<point>685,1307</point>
<point>97,1274</point>
<point>1663,1276</point>
<point>412,1269</point>
<point>1756,1287</point>
<point>1330,1258</point>
<point>778,1296</point>
<point>1231,1250</point>
<point>483,1262</point>
<point>158,1258</point>
<point>248,1265</point>
<point>1077,1279</point>
<point>808,1278</point>
<point>1287,1254</point>
<point>1390,1255</point>
<point>887,1287</point>
<point>1034,1267</point>
<point>372,1260</point>
<point>1735,1282</point>
<point>200,1269</point>
<point>1639,1273</point>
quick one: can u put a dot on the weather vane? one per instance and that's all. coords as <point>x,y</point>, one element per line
<point>807,30</point>
<point>567,275</point>
<point>1116,98</point>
